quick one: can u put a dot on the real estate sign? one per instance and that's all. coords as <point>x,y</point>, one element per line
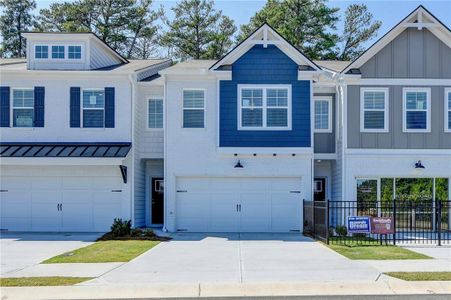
<point>359,224</point>
<point>381,225</point>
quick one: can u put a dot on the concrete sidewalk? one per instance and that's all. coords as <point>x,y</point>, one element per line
<point>383,287</point>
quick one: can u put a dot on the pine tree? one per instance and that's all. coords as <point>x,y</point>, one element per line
<point>15,19</point>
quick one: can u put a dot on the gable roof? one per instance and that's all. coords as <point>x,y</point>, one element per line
<point>419,18</point>
<point>265,35</point>
<point>92,34</point>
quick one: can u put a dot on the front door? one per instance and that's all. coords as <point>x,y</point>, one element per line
<point>320,189</point>
<point>157,200</point>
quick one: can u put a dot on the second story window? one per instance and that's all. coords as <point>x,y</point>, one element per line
<point>23,107</point>
<point>416,109</point>
<point>93,108</point>
<point>41,52</point>
<point>448,110</point>
<point>374,110</point>
<point>74,52</point>
<point>58,52</point>
<point>155,113</point>
<point>264,107</point>
<point>193,108</point>
<point>323,114</point>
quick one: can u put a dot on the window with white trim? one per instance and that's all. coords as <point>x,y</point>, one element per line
<point>74,52</point>
<point>416,109</point>
<point>57,52</point>
<point>23,107</point>
<point>193,108</point>
<point>41,52</point>
<point>374,110</point>
<point>448,110</point>
<point>323,114</point>
<point>155,113</point>
<point>264,107</point>
<point>93,108</point>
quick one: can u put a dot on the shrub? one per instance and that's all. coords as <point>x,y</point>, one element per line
<point>341,230</point>
<point>121,228</point>
<point>136,232</point>
<point>148,233</point>
<point>359,235</point>
<point>331,231</point>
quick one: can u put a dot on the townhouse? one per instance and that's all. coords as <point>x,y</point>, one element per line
<point>228,145</point>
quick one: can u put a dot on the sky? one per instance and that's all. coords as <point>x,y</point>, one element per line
<point>389,12</point>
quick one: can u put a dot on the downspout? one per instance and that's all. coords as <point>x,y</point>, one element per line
<point>165,127</point>
<point>132,79</point>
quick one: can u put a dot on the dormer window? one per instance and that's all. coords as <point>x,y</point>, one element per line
<point>41,52</point>
<point>74,52</point>
<point>58,52</point>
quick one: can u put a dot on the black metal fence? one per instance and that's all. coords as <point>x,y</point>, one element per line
<point>413,222</point>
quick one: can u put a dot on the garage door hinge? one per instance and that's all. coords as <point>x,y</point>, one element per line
<point>3,191</point>
<point>295,192</point>
<point>182,191</point>
<point>182,229</point>
<point>116,191</point>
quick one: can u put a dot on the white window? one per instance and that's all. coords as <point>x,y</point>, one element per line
<point>374,110</point>
<point>264,107</point>
<point>41,52</point>
<point>74,52</point>
<point>93,108</point>
<point>193,108</point>
<point>416,109</point>
<point>23,107</point>
<point>57,52</point>
<point>448,110</point>
<point>155,113</point>
<point>323,114</point>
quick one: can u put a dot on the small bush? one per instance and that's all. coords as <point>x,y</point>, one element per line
<point>136,232</point>
<point>149,233</point>
<point>121,228</point>
<point>331,231</point>
<point>341,230</point>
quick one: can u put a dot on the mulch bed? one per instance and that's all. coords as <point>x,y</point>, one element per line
<point>110,237</point>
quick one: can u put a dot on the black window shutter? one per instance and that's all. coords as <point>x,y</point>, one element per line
<point>74,107</point>
<point>39,96</point>
<point>4,106</point>
<point>109,107</point>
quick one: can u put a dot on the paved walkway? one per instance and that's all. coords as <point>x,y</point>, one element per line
<point>238,258</point>
<point>20,251</point>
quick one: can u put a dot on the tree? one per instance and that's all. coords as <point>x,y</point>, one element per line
<point>198,31</point>
<point>15,19</point>
<point>359,28</point>
<point>123,24</point>
<point>307,24</point>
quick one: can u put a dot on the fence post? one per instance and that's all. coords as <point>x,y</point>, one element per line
<point>439,222</point>
<point>313,217</point>
<point>327,222</point>
<point>394,221</point>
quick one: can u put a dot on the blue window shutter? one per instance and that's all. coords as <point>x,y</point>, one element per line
<point>39,96</point>
<point>74,107</point>
<point>4,106</point>
<point>109,107</point>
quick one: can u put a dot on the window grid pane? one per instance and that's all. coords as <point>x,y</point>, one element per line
<point>41,52</point>
<point>252,98</point>
<point>155,113</point>
<point>416,110</point>
<point>93,108</point>
<point>322,114</point>
<point>374,110</point>
<point>74,52</point>
<point>193,108</point>
<point>277,117</point>
<point>58,52</point>
<point>193,99</point>
<point>23,117</point>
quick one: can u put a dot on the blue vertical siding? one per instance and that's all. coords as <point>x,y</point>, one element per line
<point>265,66</point>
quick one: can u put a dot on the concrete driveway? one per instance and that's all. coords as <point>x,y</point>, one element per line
<point>23,250</point>
<point>237,258</point>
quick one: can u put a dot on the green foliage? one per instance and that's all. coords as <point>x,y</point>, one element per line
<point>341,230</point>
<point>16,18</point>
<point>307,24</point>
<point>359,27</point>
<point>198,31</point>
<point>126,25</point>
<point>121,228</point>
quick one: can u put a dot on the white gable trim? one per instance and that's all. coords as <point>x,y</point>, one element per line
<point>265,36</point>
<point>420,18</point>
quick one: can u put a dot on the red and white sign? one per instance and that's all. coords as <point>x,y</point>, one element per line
<point>380,225</point>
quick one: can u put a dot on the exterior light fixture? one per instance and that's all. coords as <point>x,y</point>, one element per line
<point>274,154</point>
<point>419,165</point>
<point>238,165</point>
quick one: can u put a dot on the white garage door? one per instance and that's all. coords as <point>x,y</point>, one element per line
<point>60,203</point>
<point>238,204</point>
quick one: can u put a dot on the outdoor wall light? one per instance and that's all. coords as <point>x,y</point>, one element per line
<point>419,165</point>
<point>238,165</point>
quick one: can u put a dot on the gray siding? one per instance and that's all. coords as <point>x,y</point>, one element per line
<point>413,54</point>
<point>395,138</point>
<point>101,58</point>
<point>325,142</point>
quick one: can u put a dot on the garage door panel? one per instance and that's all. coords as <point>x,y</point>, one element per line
<point>255,212</point>
<point>77,183</point>
<point>45,183</point>
<point>223,212</point>
<point>15,204</point>
<point>12,183</point>
<point>107,184</point>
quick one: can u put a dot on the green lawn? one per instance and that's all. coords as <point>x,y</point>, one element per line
<point>421,276</point>
<point>104,251</point>
<point>373,250</point>
<point>42,281</point>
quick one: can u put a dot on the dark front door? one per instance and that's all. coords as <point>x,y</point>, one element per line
<point>320,189</point>
<point>157,200</point>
